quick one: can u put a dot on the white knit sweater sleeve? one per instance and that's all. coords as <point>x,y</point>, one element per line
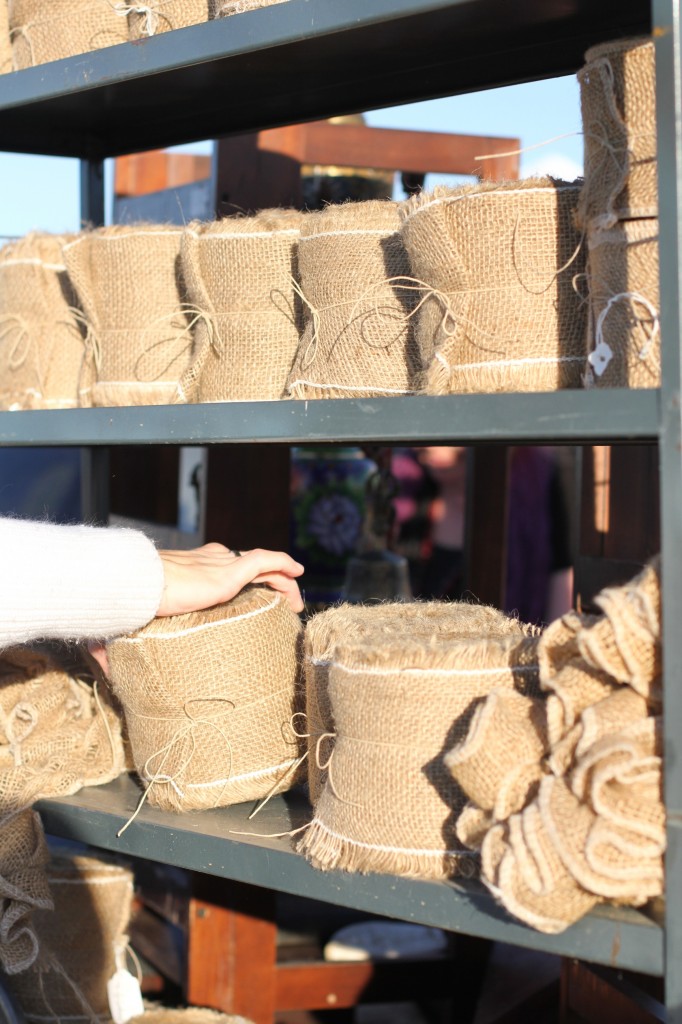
<point>75,582</point>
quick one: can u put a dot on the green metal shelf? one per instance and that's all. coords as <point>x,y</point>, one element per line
<point>562,417</point>
<point>210,842</point>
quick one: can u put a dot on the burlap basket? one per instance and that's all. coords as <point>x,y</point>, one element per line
<point>44,32</point>
<point>494,266</point>
<point>56,734</point>
<point>618,100</point>
<point>81,941</point>
<point>507,733</point>
<point>241,272</point>
<point>358,338</point>
<point>186,1015</point>
<point>389,803</point>
<point>5,39</point>
<point>208,700</point>
<point>624,344</point>
<point>23,888</point>
<point>437,621</point>
<point>42,343</point>
<point>128,283</point>
<point>151,17</point>
<point>224,8</point>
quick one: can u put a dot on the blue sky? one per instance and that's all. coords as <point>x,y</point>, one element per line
<point>42,192</point>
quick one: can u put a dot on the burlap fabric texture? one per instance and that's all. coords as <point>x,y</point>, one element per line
<point>618,101</point>
<point>186,1015</point>
<point>241,272</point>
<point>208,699</point>
<point>23,888</point>
<point>81,941</point>
<point>224,8</point>
<point>44,32</point>
<point>358,338</point>
<point>5,40</point>
<point>494,268</point>
<point>624,345</point>
<point>56,734</point>
<point>436,621</point>
<point>150,17</point>
<point>42,340</point>
<point>389,804</point>
<point>128,283</point>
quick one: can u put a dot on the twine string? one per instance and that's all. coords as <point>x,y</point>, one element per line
<point>557,273</point>
<point>650,326</point>
<point>18,726</point>
<point>148,12</point>
<point>11,323</point>
<point>195,315</point>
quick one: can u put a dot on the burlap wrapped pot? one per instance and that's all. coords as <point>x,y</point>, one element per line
<point>389,803</point>
<point>618,101</point>
<point>44,32</point>
<point>42,340</point>
<point>358,338</point>
<point>128,283</point>
<point>624,344</point>
<point>81,940</point>
<point>151,17</point>
<point>208,699</point>
<point>241,272</point>
<point>56,734</point>
<point>23,888</point>
<point>5,39</point>
<point>435,621</point>
<point>494,266</point>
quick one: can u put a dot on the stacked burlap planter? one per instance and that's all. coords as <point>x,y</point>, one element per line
<point>81,941</point>
<point>5,39</point>
<point>591,824</point>
<point>128,283</point>
<point>45,31</point>
<point>208,699</point>
<point>241,272</point>
<point>56,734</point>
<point>389,803</point>
<point>358,338</point>
<point>151,17</point>
<point>618,211</point>
<point>23,888</point>
<point>494,266</point>
<point>42,344</point>
<point>186,1015</point>
<point>438,621</point>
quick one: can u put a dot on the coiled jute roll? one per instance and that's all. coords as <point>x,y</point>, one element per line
<point>186,1015</point>
<point>437,621</point>
<point>389,803</point>
<point>358,338</point>
<point>624,345</point>
<point>128,283</point>
<point>241,272</point>
<point>5,40</point>
<point>208,699</point>
<point>23,888</point>
<point>494,266</point>
<point>150,17</point>
<point>618,100</point>
<point>82,941</point>
<point>42,345</point>
<point>56,734</point>
<point>43,31</point>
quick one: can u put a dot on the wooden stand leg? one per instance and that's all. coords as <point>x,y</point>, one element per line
<point>231,949</point>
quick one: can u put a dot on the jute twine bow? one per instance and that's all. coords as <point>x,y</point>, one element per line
<point>151,17</point>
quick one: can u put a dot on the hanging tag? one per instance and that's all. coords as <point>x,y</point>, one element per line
<point>125,996</point>
<point>600,357</point>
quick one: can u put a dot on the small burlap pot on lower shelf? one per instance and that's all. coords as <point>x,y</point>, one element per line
<point>436,621</point>
<point>624,344</point>
<point>358,338</point>
<point>23,888</point>
<point>241,272</point>
<point>618,101</point>
<point>56,734</point>
<point>186,1015</point>
<point>151,17</point>
<point>42,342</point>
<point>82,941</point>
<point>5,39</point>
<point>44,32</point>
<point>389,803</point>
<point>208,699</point>
<point>128,283</point>
<point>494,266</point>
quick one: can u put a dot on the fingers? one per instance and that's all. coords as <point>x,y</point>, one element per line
<point>284,585</point>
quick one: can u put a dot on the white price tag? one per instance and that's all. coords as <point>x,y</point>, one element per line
<point>125,997</point>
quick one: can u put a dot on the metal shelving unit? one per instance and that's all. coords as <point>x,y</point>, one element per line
<point>310,59</point>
